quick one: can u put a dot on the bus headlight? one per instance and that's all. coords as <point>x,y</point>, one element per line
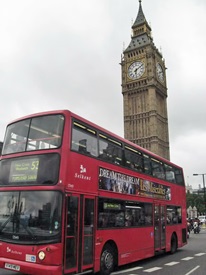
<point>41,255</point>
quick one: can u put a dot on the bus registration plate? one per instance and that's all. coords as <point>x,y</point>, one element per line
<point>12,266</point>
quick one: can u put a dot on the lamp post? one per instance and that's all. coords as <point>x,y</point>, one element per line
<point>203,179</point>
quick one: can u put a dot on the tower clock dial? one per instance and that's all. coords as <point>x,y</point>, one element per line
<point>160,72</point>
<point>136,70</point>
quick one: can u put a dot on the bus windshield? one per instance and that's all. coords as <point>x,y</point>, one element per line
<point>38,133</point>
<point>30,217</point>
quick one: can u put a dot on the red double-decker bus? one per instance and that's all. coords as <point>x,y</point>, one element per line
<point>75,198</point>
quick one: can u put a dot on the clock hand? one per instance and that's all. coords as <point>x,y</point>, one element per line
<point>138,68</point>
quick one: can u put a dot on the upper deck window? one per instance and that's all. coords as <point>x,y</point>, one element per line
<point>170,175</point>
<point>37,133</point>
<point>157,169</point>
<point>179,176</point>
<point>84,139</point>
<point>110,149</point>
<point>133,159</point>
<point>91,142</point>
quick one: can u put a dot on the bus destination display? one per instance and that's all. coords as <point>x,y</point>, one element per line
<point>24,170</point>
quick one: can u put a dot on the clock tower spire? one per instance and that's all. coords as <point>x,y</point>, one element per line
<point>144,90</point>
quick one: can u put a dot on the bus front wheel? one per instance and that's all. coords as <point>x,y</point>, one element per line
<point>107,261</point>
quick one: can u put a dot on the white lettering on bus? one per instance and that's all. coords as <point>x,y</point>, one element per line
<point>117,176</point>
<point>70,185</point>
<point>9,250</point>
<point>83,177</point>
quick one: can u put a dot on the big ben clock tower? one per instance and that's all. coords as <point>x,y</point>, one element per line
<point>144,90</point>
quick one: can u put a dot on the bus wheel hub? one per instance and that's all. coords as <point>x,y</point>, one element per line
<point>108,260</point>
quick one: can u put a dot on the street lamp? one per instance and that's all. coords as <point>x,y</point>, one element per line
<point>203,179</point>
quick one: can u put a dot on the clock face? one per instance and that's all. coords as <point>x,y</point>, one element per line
<point>160,73</point>
<point>136,70</point>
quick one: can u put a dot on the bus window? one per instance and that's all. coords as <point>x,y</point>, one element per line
<point>110,149</point>
<point>84,140</point>
<point>147,165</point>
<point>179,176</point>
<point>110,213</point>
<point>16,135</point>
<point>157,169</point>
<point>34,134</point>
<point>133,159</point>
<point>116,213</point>
<point>33,217</point>
<point>169,172</point>
<point>174,214</point>
<point>138,214</point>
<point>45,132</point>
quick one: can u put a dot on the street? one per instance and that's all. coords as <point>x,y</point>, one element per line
<point>188,260</point>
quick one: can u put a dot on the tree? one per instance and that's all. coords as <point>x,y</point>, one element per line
<point>195,200</point>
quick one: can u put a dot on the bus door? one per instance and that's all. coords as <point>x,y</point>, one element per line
<point>159,226</point>
<point>79,233</point>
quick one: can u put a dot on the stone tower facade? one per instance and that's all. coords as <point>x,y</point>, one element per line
<point>144,91</point>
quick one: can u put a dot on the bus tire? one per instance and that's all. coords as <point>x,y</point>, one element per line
<point>173,248</point>
<point>107,260</point>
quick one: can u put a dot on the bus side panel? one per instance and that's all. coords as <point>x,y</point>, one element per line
<point>177,231</point>
<point>82,174</point>
<point>178,198</point>
<point>132,244</point>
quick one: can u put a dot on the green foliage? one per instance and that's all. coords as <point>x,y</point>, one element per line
<point>196,200</point>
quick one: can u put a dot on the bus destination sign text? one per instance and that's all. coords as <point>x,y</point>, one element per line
<point>24,170</point>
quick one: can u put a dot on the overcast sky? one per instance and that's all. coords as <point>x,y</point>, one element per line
<point>65,54</point>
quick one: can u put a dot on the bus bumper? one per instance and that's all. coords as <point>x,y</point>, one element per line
<point>30,268</point>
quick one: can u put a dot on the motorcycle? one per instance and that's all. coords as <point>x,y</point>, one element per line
<point>196,227</point>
